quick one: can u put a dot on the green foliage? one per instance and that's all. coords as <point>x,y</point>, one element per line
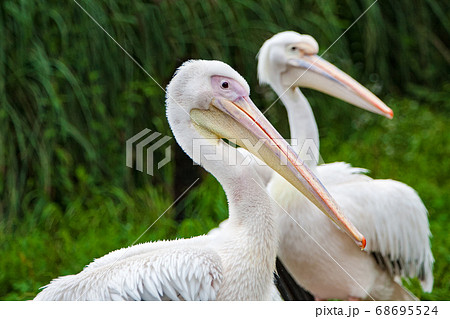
<point>70,98</point>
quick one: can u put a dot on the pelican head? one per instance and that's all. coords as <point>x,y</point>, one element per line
<point>289,59</point>
<point>208,99</point>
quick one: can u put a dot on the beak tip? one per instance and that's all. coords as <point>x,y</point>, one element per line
<point>363,243</point>
<point>390,114</point>
<point>384,110</point>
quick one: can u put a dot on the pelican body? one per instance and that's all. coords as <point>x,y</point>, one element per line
<point>208,101</point>
<point>389,213</point>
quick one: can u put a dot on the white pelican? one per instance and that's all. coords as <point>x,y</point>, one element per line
<point>208,101</point>
<point>389,213</point>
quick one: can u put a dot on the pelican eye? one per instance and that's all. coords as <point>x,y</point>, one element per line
<point>293,48</point>
<point>225,85</point>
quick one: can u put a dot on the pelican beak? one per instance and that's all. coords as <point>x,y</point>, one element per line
<point>311,71</point>
<point>241,121</point>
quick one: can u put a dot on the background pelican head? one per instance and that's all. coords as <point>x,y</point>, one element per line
<point>209,101</point>
<point>289,59</point>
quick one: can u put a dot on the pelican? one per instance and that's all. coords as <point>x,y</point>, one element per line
<point>208,102</point>
<point>389,213</point>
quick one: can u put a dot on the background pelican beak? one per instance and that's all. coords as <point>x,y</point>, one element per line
<point>311,71</point>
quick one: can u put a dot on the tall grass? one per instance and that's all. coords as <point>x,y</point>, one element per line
<point>70,98</point>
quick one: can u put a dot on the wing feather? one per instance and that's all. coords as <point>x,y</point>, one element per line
<point>157,275</point>
<point>340,173</point>
<point>395,222</point>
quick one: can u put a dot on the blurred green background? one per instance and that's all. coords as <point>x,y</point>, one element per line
<point>70,98</point>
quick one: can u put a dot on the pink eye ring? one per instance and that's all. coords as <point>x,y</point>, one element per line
<point>228,87</point>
